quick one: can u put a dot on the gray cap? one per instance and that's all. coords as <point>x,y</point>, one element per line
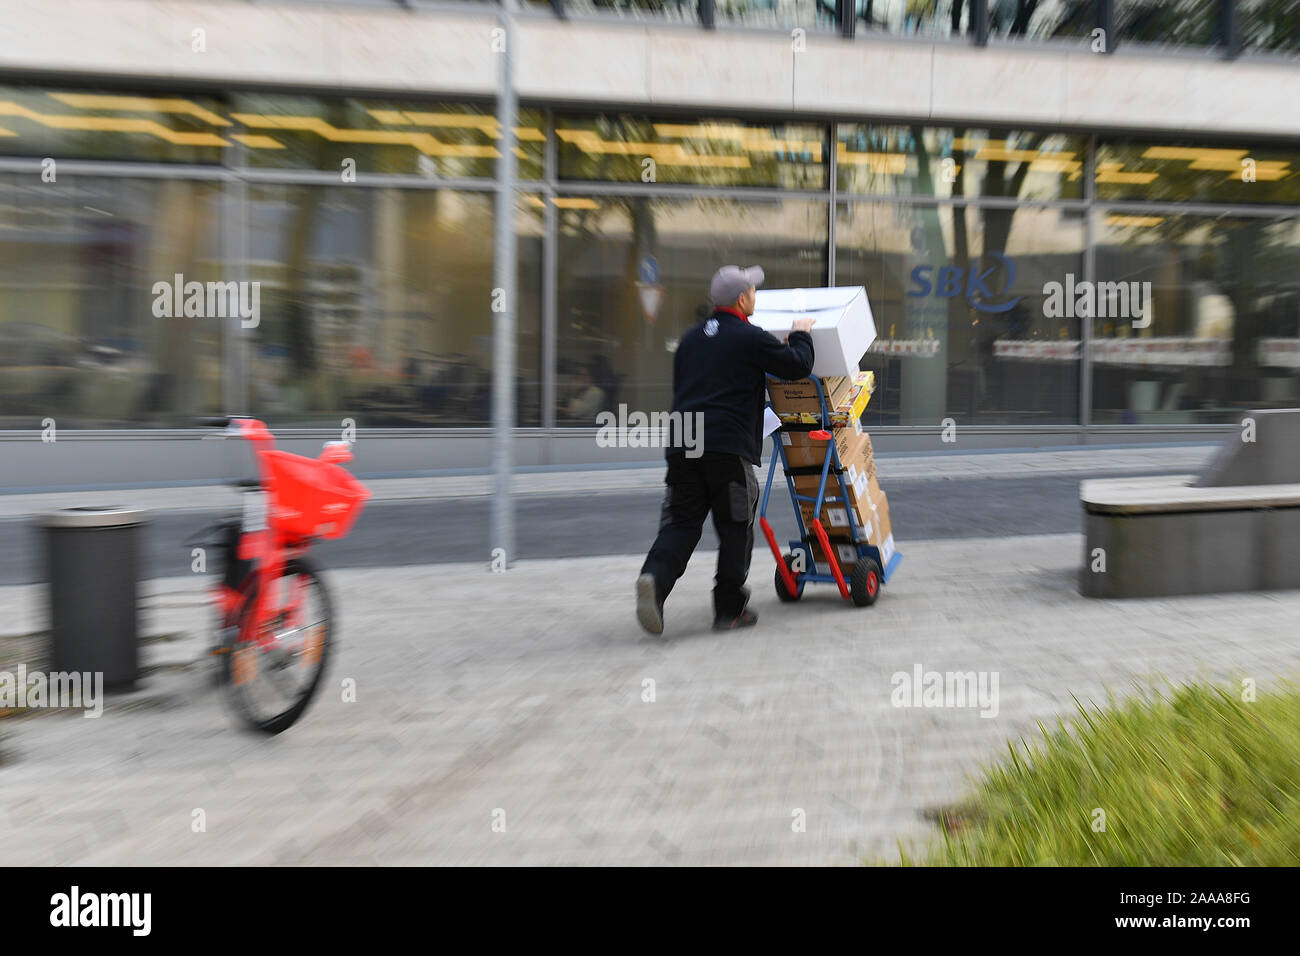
<point>730,281</point>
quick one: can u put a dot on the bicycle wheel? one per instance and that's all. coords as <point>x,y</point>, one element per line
<point>270,685</point>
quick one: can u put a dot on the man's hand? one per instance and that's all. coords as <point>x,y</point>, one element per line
<point>803,325</point>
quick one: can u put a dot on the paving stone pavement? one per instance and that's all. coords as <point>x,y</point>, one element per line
<point>523,695</point>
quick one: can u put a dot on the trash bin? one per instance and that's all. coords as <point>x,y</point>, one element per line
<point>93,570</point>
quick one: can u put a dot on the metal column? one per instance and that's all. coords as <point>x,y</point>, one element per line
<point>504,305</point>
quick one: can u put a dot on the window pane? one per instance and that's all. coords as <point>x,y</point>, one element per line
<point>113,126</point>
<point>605,338</point>
<point>924,161</point>
<point>1270,25</point>
<point>780,14</point>
<point>928,18</point>
<point>978,351</point>
<point>80,338</point>
<point>378,136</point>
<point>675,11</point>
<point>377,306</point>
<point>265,130</point>
<point>1186,172</point>
<point>1027,19</point>
<point>1180,22</point>
<point>1223,320</point>
<point>622,148</point>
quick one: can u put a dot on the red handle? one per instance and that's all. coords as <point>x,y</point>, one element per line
<point>782,568</point>
<point>826,549</point>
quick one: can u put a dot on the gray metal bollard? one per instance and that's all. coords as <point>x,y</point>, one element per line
<point>93,558</point>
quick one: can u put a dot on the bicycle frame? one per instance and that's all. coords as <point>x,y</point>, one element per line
<point>270,548</point>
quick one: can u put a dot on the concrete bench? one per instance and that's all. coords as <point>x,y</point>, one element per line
<point>1234,528</point>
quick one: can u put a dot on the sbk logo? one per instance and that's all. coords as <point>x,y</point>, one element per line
<point>952,281</point>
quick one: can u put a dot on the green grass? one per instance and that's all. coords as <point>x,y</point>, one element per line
<point>1189,776</point>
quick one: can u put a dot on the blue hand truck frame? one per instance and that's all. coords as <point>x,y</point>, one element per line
<point>869,572</point>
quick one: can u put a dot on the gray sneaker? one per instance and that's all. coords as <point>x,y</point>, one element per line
<point>649,609</point>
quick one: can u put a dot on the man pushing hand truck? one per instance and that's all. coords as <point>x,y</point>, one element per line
<point>719,373</point>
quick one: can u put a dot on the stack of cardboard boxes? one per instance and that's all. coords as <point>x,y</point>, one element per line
<point>797,404</point>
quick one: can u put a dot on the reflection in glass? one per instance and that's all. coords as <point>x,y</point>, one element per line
<point>377,306</point>
<point>673,11</point>
<point>265,130</point>
<point>1190,172</point>
<point>1029,19</point>
<point>623,148</point>
<point>74,124</point>
<point>1270,25</point>
<point>79,338</point>
<point>378,136</point>
<point>1223,331</point>
<point>928,161</point>
<point>927,18</point>
<point>1172,22</point>
<point>958,294</point>
<point>783,14</point>
<point>612,248</point>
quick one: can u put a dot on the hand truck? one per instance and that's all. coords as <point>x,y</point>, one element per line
<point>799,566</point>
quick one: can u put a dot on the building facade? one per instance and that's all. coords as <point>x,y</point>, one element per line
<point>1076,221</point>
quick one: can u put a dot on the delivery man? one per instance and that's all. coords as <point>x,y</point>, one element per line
<point>719,372</point>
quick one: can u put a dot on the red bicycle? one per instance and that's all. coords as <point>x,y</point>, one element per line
<point>276,618</point>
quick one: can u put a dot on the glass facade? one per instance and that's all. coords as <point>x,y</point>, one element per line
<point>778,14</point>
<point>932,19</point>
<point>1017,276</point>
<point>952,287</point>
<point>607,338</point>
<point>1270,26</point>
<point>80,259</point>
<point>924,161</point>
<point>1191,172</point>
<point>1050,20</point>
<point>376,305</point>
<point>637,149</point>
<point>1167,22</point>
<point>1220,332</point>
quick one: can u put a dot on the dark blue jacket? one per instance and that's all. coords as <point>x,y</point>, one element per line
<point>720,369</point>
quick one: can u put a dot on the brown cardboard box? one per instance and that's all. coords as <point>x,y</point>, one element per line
<point>802,451</point>
<point>846,555</point>
<point>859,458</point>
<point>835,509</point>
<point>797,401</point>
<point>873,510</point>
<point>866,498</point>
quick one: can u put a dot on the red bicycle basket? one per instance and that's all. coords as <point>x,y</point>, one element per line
<point>312,498</point>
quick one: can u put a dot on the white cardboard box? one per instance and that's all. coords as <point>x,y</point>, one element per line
<point>843,331</point>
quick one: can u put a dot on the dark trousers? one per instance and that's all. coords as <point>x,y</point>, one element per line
<point>726,486</point>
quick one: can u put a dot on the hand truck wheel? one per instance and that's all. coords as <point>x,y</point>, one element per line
<point>781,591</point>
<point>864,585</point>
